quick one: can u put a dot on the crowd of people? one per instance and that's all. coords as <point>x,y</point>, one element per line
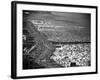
<point>69,54</point>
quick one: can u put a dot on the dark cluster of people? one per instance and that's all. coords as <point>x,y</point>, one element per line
<point>40,50</point>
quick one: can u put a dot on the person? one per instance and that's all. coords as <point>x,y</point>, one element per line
<point>44,48</point>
